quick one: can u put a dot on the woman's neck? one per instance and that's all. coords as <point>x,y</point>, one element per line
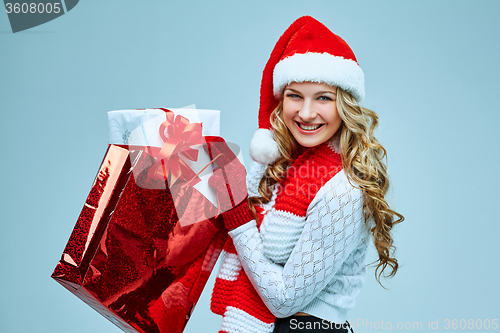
<point>301,149</point>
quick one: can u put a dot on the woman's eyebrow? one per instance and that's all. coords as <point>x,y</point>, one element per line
<point>318,93</point>
<point>324,92</point>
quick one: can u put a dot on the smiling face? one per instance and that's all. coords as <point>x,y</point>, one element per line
<point>310,112</point>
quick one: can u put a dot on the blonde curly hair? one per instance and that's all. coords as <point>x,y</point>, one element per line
<point>362,160</point>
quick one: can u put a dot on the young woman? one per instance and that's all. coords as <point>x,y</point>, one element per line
<point>304,215</point>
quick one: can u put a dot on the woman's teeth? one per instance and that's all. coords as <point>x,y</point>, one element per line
<point>309,128</point>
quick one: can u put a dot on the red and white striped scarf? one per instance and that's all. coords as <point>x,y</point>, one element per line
<point>233,296</point>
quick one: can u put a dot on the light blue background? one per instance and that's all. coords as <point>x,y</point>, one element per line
<point>431,72</point>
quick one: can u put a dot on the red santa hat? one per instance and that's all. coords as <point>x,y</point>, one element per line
<point>307,51</point>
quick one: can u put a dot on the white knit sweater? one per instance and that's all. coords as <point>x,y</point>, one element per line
<point>314,264</point>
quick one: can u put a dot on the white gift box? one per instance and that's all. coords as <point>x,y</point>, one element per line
<point>141,128</point>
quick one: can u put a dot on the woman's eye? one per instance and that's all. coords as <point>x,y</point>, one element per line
<point>325,98</point>
<point>293,96</point>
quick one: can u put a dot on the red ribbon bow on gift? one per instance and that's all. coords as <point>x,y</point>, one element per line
<point>178,135</point>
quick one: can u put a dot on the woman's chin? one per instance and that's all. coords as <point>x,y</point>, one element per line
<point>309,143</point>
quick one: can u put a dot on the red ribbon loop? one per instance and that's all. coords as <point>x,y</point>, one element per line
<point>177,135</point>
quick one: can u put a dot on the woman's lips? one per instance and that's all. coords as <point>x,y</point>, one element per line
<point>306,132</point>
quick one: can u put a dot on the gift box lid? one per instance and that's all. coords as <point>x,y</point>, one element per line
<point>140,127</point>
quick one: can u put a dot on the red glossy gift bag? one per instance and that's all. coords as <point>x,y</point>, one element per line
<point>143,246</point>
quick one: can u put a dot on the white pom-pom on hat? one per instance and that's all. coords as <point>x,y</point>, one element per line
<point>263,147</point>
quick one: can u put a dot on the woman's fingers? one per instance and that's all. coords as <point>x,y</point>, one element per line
<point>221,151</point>
<point>218,182</point>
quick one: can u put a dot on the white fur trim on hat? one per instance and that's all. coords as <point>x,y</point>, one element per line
<point>322,68</point>
<point>263,148</point>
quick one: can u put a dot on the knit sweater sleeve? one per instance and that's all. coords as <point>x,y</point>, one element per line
<point>334,228</point>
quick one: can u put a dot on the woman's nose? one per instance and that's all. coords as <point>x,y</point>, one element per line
<point>307,111</point>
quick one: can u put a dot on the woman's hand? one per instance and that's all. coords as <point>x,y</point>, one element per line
<point>229,181</point>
